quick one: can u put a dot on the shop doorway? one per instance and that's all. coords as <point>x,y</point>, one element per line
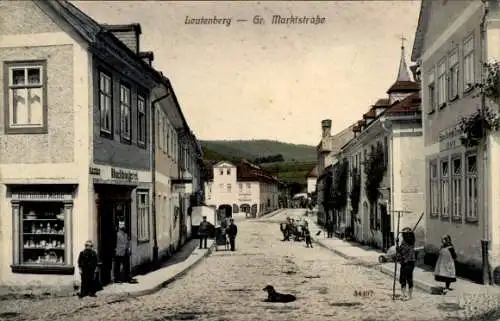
<point>113,206</point>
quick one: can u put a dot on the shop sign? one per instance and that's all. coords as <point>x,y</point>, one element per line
<point>124,175</point>
<point>94,171</point>
<point>450,138</point>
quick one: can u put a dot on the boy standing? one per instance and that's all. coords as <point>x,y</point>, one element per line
<point>87,263</point>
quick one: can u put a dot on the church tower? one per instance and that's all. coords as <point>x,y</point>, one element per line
<point>404,84</point>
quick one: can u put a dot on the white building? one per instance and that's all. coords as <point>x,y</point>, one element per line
<point>392,127</point>
<point>312,178</point>
<point>453,41</point>
<point>242,188</point>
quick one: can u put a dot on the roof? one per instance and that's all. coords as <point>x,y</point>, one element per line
<point>403,74</point>
<point>136,27</point>
<point>382,102</point>
<point>313,172</point>
<point>404,87</point>
<point>370,114</point>
<point>423,19</point>
<point>409,105</point>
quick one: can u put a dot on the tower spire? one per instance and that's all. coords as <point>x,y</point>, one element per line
<point>403,74</point>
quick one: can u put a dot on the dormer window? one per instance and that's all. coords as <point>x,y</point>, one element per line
<point>228,171</point>
<point>221,172</point>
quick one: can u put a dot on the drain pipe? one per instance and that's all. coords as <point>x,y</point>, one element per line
<point>153,171</point>
<point>485,241</point>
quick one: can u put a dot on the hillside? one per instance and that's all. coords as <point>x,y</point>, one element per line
<point>298,159</point>
<point>252,149</point>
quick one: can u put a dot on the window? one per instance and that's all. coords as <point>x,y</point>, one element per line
<point>471,198</point>
<point>228,171</point>
<point>434,189</point>
<point>106,103</point>
<point>249,186</point>
<point>431,88</point>
<point>221,172</point>
<point>26,91</point>
<point>125,116</point>
<point>221,187</point>
<point>441,85</point>
<point>160,131</point>
<point>41,232</point>
<point>445,180</point>
<point>469,63</point>
<point>142,216</point>
<point>165,134</point>
<point>453,80</point>
<point>240,187</point>
<point>229,188</point>
<point>457,188</point>
<point>167,139</point>
<point>386,151</point>
<point>141,120</point>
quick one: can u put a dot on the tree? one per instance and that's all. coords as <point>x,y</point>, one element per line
<point>339,197</point>
<point>374,170</point>
<point>355,190</point>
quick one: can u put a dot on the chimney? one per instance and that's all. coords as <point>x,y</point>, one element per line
<point>147,57</point>
<point>128,34</point>
<point>326,126</point>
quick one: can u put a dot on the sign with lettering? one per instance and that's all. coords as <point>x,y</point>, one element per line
<point>450,138</point>
<point>124,175</point>
<point>94,171</point>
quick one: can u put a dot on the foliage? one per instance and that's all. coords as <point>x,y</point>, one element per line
<point>339,192</point>
<point>477,125</point>
<point>252,149</point>
<point>374,170</point>
<point>269,159</point>
<point>327,194</point>
<point>491,87</point>
<point>355,195</point>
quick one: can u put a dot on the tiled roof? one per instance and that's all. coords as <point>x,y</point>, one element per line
<point>410,104</point>
<point>382,102</point>
<point>313,172</point>
<point>370,114</point>
<point>404,87</point>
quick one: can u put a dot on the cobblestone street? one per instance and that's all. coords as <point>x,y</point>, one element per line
<point>228,286</point>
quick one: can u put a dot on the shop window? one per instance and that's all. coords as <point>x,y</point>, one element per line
<point>42,241</point>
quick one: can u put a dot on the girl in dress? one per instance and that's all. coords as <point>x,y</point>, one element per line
<point>445,265</point>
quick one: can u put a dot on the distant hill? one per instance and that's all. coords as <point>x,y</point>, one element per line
<point>252,149</point>
<point>297,159</point>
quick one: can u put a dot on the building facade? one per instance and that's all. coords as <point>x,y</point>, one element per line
<point>312,178</point>
<point>453,42</point>
<point>245,188</point>
<point>76,142</point>
<point>390,133</point>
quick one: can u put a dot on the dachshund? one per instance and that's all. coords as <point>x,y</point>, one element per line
<point>273,296</point>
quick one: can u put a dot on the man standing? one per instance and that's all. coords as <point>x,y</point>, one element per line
<point>232,231</point>
<point>203,232</point>
<point>122,254</point>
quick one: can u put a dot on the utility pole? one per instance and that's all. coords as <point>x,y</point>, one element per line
<point>397,246</point>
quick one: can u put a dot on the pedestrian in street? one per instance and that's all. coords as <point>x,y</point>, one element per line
<point>445,265</point>
<point>87,264</point>
<point>203,232</point>
<point>406,257</point>
<point>307,236</point>
<point>122,255</point>
<point>329,229</point>
<point>232,231</point>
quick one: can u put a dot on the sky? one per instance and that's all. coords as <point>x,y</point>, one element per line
<point>271,81</point>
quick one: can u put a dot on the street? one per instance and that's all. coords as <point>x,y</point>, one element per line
<point>228,286</point>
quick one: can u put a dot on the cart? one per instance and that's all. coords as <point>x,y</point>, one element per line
<point>221,239</point>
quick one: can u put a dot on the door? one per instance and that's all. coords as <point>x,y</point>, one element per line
<point>385,219</point>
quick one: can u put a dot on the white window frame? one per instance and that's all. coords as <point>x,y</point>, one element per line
<point>469,63</point>
<point>13,126</point>
<point>142,120</point>
<point>143,228</point>
<point>160,130</point>
<point>229,188</point>
<point>444,188</point>
<point>453,63</point>
<point>456,188</point>
<point>442,93</point>
<point>106,102</point>
<point>472,193</point>
<point>434,188</point>
<point>165,135</point>
<point>125,112</point>
<point>167,139</point>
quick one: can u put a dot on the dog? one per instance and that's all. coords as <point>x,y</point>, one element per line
<point>273,296</point>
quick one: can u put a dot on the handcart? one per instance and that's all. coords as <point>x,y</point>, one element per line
<point>221,239</point>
